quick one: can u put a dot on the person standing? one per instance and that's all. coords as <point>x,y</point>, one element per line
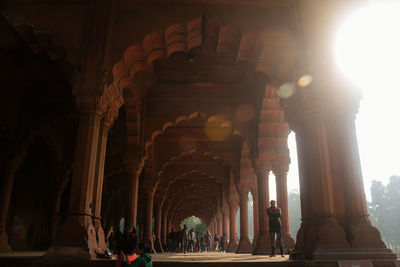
<point>216,242</point>
<point>222,242</point>
<point>275,227</point>
<point>184,239</point>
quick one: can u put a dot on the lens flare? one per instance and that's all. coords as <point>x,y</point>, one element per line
<point>304,80</point>
<point>218,128</point>
<point>286,90</point>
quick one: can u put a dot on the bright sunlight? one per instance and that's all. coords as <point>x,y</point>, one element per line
<point>368,52</point>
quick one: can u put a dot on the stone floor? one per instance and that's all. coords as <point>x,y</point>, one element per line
<point>214,257</point>
<point>34,259</point>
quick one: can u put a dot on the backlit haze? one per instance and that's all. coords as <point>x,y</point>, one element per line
<point>368,52</point>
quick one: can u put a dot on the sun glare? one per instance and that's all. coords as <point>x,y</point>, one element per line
<point>368,52</point>
<point>368,46</point>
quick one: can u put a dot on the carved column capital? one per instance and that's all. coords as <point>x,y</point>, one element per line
<point>262,167</point>
<point>281,166</point>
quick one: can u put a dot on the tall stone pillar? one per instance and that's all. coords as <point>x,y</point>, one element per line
<point>263,245</point>
<point>134,173</point>
<point>280,171</point>
<point>82,243</point>
<point>158,224</point>
<point>225,226</point>
<point>220,222</point>
<point>320,234</point>
<point>233,243</point>
<point>343,140</point>
<point>147,228</point>
<point>5,202</point>
<point>244,242</point>
<point>98,184</point>
<point>255,217</point>
<point>164,230</point>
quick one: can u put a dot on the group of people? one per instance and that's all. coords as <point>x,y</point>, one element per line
<point>184,241</point>
<point>130,254</point>
<point>220,243</point>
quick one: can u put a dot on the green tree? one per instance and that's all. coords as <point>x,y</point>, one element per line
<point>194,223</point>
<point>384,209</point>
<point>294,212</point>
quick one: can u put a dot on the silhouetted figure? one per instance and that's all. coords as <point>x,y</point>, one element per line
<point>191,240</point>
<point>216,242</point>
<point>274,214</point>
<point>184,239</point>
<point>222,242</point>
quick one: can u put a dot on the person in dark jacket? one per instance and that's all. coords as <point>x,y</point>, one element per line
<point>128,239</point>
<point>274,214</point>
<point>144,260</point>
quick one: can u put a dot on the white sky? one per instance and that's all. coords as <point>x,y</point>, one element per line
<point>368,51</point>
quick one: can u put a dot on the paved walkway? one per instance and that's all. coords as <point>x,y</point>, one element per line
<point>176,257</point>
<point>215,257</point>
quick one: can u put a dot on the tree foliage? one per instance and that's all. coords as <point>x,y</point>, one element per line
<point>384,210</point>
<point>194,223</point>
<point>294,212</point>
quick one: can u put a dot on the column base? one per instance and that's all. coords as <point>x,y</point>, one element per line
<point>263,245</point>
<point>4,245</point>
<point>244,246</point>
<point>326,235</point>
<point>232,246</point>
<point>364,235</point>
<point>157,246</point>
<point>149,243</point>
<point>347,254</point>
<point>76,240</point>
<point>100,236</point>
<point>288,241</point>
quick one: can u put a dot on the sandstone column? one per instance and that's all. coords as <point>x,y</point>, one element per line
<point>263,246</point>
<point>220,222</point>
<point>98,184</point>
<point>319,234</point>
<point>147,229</point>
<point>164,232</point>
<point>244,242</point>
<point>280,171</point>
<point>157,225</point>
<point>255,217</point>
<point>233,243</point>
<point>342,136</point>
<point>134,173</point>
<point>81,244</point>
<point>225,228</point>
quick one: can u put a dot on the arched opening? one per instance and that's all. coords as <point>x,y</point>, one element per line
<point>293,187</point>
<point>195,223</point>
<point>31,206</point>
<point>238,223</point>
<point>250,216</point>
